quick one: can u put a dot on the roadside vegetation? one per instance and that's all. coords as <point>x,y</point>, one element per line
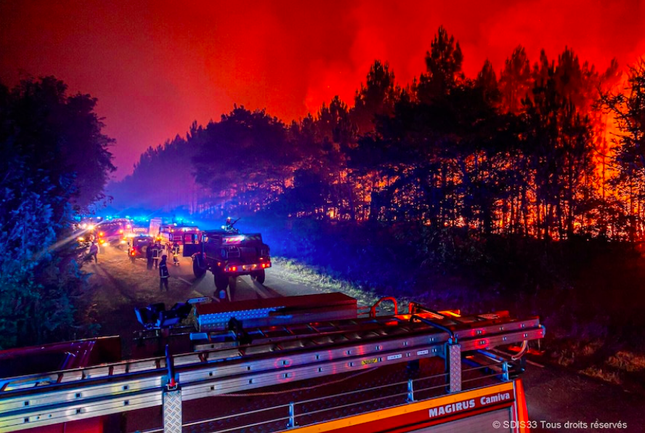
<point>588,293</point>
<point>55,163</point>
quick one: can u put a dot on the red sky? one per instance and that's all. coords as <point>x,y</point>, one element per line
<point>155,66</point>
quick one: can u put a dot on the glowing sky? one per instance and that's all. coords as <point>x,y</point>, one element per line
<point>155,66</point>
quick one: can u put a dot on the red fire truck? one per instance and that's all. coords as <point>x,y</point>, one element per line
<point>180,234</point>
<point>312,363</point>
<point>113,232</point>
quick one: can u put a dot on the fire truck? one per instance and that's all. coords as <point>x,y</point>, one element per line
<point>180,234</point>
<point>228,255</point>
<point>313,363</point>
<point>113,232</point>
<point>138,246</point>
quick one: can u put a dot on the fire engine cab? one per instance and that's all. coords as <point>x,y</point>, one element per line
<point>313,363</point>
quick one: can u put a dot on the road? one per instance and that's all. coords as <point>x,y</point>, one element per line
<point>555,396</point>
<point>118,285</point>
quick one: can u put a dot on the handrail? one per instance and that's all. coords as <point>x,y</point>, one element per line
<point>435,325</point>
<point>297,404</point>
<point>387,298</point>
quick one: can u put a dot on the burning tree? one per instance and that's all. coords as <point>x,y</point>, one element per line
<point>628,110</point>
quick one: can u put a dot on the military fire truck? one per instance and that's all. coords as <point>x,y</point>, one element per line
<point>312,363</point>
<point>228,255</point>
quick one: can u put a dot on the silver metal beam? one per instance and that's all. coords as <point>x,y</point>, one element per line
<point>226,371</point>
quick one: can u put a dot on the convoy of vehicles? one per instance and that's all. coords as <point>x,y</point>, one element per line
<point>312,363</point>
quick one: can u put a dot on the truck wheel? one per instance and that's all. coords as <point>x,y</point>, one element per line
<point>232,285</point>
<point>258,276</point>
<point>232,282</point>
<point>198,269</point>
<point>221,282</point>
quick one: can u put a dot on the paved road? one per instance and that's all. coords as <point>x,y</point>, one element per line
<point>555,396</point>
<point>119,285</point>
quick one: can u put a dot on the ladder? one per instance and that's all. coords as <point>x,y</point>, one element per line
<point>277,354</point>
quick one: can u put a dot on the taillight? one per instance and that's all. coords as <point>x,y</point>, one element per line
<point>132,253</point>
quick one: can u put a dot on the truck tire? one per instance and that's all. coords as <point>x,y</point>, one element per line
<point>258,276</point>
<point>232,285</point>
<point>221,281</point>
<point>198,266</point>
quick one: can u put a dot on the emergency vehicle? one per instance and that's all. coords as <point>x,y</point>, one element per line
<point>138,246</point>
<point>313,363</point>
<point>228,255</point>
<point>113,232</point>
<point>181,234</point>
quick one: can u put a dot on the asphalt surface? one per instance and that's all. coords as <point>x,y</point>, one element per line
<point>558,400</point>
<point>562,401</point>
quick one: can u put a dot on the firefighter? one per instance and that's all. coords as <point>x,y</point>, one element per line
<point>156,251</point>
<point>175,253</point>
<point>94,251</point>
<point>163,274</point>
<point>230,225</point>
<point>149,254</point>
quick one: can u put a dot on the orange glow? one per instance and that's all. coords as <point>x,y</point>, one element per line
<point>162,67</point>
<point>453,313</point>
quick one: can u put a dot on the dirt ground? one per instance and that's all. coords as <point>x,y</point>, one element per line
<point>118,286</point>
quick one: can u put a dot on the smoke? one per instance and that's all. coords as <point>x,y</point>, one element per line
<point>156,67</point>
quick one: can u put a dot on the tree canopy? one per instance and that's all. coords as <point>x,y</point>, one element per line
<point>525,154</point>
<point>55,164</point>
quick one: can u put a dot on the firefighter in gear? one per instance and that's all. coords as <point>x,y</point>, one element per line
<point>163,274</point>
<point>149,254</point>
<point>175,253</point>
<point>94,251</point>
<point>230,225</point>
<point>156,252</point>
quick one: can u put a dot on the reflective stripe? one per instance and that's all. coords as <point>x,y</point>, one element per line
<point>357,421</point>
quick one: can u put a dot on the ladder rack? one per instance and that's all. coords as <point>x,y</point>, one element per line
<point>277,354</point>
